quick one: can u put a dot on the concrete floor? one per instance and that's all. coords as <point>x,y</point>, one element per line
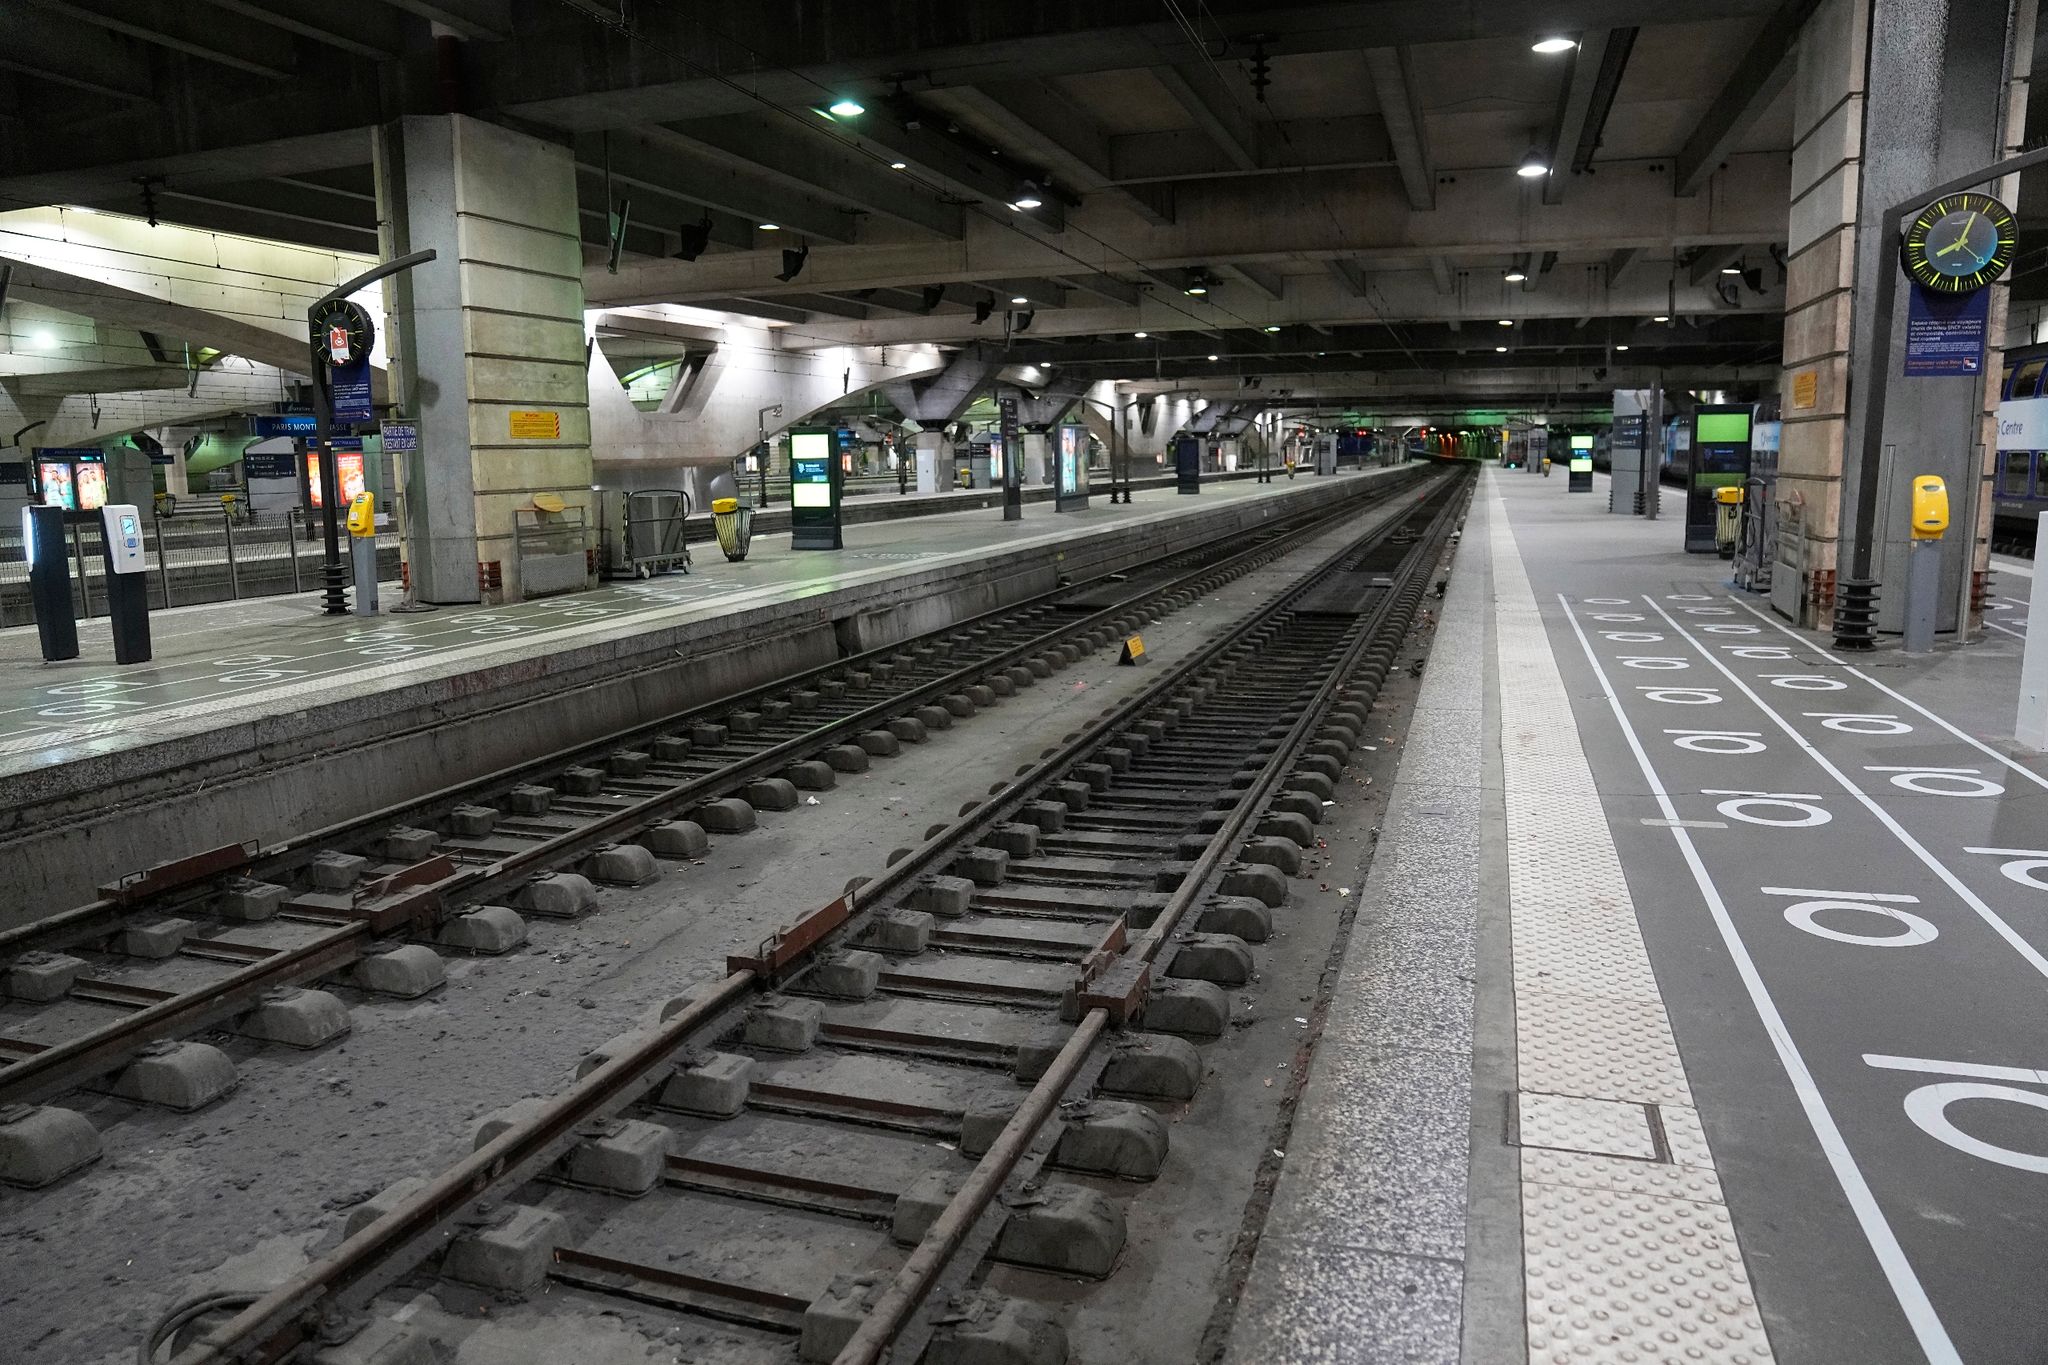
<point>1852,961</point>
<point>249,1189</point>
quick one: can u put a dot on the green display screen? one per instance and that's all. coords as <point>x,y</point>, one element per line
<point>1722,428</point>
<point>1582,443</point>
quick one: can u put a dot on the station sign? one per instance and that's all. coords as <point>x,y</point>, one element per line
<point>815,485</point>
<point>297,425</point>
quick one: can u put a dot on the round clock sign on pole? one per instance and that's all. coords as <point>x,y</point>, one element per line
<point>1959,243</point>
<point>343,332</point>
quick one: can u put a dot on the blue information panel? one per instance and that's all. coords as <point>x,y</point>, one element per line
<point>352,391</point>
<point>270,426</point>
<point>401,438</point>
<point>1945,333</point>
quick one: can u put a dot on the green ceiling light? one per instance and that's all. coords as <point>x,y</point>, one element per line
<point>846,108</point>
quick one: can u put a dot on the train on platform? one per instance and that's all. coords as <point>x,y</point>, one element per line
<point>2019,491</point>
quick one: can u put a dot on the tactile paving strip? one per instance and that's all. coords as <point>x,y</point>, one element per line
<point>1628,1252</point>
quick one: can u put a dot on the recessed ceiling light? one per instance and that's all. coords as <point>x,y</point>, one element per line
<point>899,165</point>
<point>1140,335</point>
<point>1514,277</point>
<point>1507,322</point>
<point>1212,357</point>
<point>847,108</point>
<point>771,227</point>
<point>1661,317</point>
<point>1550,47</point>
<point>1731,270</point>
<point>1018,298</point>
<point>1621,345</point>
<point>1502,349</point>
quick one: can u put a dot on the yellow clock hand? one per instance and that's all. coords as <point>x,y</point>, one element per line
<point>1961,237</point>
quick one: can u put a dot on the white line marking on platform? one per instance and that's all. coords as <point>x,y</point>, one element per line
<point>1896,695</point>
<point>1685,824</point>
<point>1991,917</point>
<point>1884,1243</point>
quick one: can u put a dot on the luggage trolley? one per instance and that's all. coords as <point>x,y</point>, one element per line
<point>642,532</point>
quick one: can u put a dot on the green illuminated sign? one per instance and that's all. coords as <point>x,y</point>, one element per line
<point>814,486</point>
<point>1722,428</point>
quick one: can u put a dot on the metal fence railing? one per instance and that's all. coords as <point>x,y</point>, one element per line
<point>203,555</point>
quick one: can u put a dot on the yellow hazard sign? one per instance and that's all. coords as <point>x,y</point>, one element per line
<point>1134,650</point>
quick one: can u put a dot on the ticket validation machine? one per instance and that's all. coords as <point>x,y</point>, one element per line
<point>127,582</point>
<point>49,581</point>
<point>1923,562</point>
<point>814,491</point>
<point>362,545</point>
<point>1720,459</point>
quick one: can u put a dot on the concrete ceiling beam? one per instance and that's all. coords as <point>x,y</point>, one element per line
<point>663,206</point>
<point>1034,122</point>
<point>1393,84</point>
<point>40,43</point>
<point>666,163</point>
<point>1280,223</point>
<point>1349,276</point>
<point>819,161</point>
<point>483,21</point>
<point>364,30</point>
<point>1440,272</point>
<point>1215,110</point>
<point>1707,262</point>
<point>1583,105</point>
<point>1269,282</point>
<point>253,51</point>
<point>1357,142</point>
<point>1763,71</point>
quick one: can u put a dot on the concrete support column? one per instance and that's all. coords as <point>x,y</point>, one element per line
<point>1036,464</point>
<point>488,347</point>
<point>934,467</point>
<point>1888,100</point>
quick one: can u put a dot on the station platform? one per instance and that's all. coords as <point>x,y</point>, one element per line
<point>1692,1009</point>
<point>285,719</point>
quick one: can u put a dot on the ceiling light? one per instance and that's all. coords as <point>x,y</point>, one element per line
<point>1532,166</point>
<point>1140,335</point>
<point>1621,345</point>
<point>1212,357</point>
<point>1507,322</point>
<point>1514,277</point>
<point>899,165</point>
<point>1018,298</point>
<point>1731,270</point>
<point>1661,317</point>
<point>46,339</point>
<point>1502,349</point>
<point>771,227</point>
<point>1198,289</point>
<point>1272,329</point>
<point>847,108</point>
<point>1550,47</point>
<point>1029,201</point>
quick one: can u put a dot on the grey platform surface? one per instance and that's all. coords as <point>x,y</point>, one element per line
<point>1846,910</point>
<point>221,662</point>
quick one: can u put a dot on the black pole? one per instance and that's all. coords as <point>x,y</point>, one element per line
<point>333,603</point>
<point>1856,600</point>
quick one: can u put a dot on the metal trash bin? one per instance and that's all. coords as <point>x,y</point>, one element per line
<point>735,526</point>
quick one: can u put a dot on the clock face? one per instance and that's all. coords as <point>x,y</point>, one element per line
<point>342,333</point>
<point>1959,243</point>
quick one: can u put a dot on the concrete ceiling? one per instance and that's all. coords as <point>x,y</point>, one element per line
<point>1317,166</point>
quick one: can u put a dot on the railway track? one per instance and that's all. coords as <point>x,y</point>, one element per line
<point>781,1153</point>
<point>110,994</point>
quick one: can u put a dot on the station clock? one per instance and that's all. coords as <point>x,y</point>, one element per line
<point>343,333</point>
<point>1959,243</point>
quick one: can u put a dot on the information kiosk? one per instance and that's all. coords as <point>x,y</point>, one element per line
<point>1581,466</point>
<point>1719,459</point>
<point>814,490</point>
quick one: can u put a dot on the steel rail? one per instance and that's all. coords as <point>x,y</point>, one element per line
<point>915,1279</point>
<point>104,915</point>
<point>290,1314</point>
<point>63,1066</point>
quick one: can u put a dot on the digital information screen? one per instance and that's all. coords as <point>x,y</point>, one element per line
<point>1720,459</point>
<point>814,482</point>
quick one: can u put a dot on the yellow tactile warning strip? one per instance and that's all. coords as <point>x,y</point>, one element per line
<point>1628,1251</point>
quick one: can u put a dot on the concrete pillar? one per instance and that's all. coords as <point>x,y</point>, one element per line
<point>934,467</point>
<point>1887,100</point>
<point>1037,464</point>
<point>1626,451</point>
<point>488,348</point>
